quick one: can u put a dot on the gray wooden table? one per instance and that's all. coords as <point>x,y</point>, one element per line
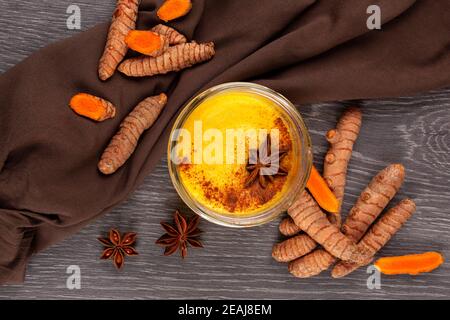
<point>237,263</point>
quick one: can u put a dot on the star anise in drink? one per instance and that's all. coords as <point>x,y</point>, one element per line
<point>260,161</point>
<point>184,232</point>
<point>117,247</point>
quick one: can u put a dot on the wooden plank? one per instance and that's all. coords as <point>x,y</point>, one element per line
<point>237,263</point>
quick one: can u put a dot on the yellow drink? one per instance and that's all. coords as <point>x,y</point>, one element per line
<point>213,161</point>
<point>221,187</point>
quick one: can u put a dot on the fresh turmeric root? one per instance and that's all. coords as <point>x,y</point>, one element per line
<point>337,158</point>
<point>370,204</point>
<point>298,245</point>
<point>317,226</point>
<point>147,42</point>
<point>288,227</point>
<point>92,107</point>
<point>124,20</point>
<point>311,264</point>
<point>301,244</point>
<point>171,34</point>
<point>125,141</point>
<point>410,264</point>
<point>174,59</point>
<point>321,192</point>
<point>341,140</point>
<point>174,9</point>
<point>379,234</point>
<point>373,200</point>
<point>293,248</point>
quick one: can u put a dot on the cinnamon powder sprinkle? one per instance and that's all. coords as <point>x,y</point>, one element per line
<point>233,196</point>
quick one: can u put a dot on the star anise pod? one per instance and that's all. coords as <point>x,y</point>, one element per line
<point>255,164</point>
<point>181,234</point>
<point>116,247</point>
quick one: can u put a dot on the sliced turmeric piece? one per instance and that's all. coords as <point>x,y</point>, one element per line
<point>124,143</point>
<point>174,9</point>
<point>317,226</point>
<point>175,58</point>
<point>321,192</point>
<point>410,264</point>
<point>379,234</point>
<point>147,42</point>
<point>171,34</point>
<point>288,227</point>
<point>124,20</point>
<point>92,107</point>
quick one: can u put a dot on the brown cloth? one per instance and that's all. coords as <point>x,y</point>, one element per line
<point>309,50</point>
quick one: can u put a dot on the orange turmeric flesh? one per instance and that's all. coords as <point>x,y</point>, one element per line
<point>410,264</point>
<point>321,192</point>
<point>146,42</point>
<point>92,107</point>
<point>174,9</point>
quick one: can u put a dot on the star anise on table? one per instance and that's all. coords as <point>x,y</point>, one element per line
<point>117,246</point>
<point>184,232</point>
<point>262,158</point>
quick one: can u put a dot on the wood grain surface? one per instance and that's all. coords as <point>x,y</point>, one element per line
<point>237,263</point>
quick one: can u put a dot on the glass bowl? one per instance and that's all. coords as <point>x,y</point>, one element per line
<point>301,149</point>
